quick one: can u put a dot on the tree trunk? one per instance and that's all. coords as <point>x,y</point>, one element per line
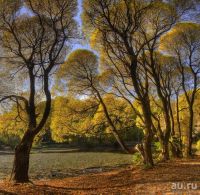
<point>166,108</point>
<point>176,148</point>
<point>148,159</point>
<point>21,160</point>
<point>165,150</point>
<point>189,135</point>
<point>179,124</point>
<point>114,130</point>
<point>22,151</point>
<point>146,110</point>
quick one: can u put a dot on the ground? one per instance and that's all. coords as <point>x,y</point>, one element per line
<point>165,178</point>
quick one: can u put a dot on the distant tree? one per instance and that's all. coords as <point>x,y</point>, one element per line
<point>72,117</point>
<point>81,72</point>
<point>183,42</point>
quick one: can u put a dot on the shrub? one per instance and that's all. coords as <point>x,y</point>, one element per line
<point>137,159</point>
<point>9,140</point>
<point>157,151</point>
<point>198,146</point>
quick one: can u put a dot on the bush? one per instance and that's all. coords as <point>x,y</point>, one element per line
<point>157,147</point>
<point>10,140</point>
<point>137,159</point>
<point>198,146</point>
<point>157,151</point>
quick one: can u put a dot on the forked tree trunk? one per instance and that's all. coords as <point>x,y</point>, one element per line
<point>22,151</point>
<point>21,160</point>
<point>166,112</point>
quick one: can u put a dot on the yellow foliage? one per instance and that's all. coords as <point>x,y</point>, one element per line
<point>11,124</point>
<point>68,118</point>
<point>177,37</point>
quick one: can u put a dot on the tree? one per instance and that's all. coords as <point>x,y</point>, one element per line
<point>81,72</point>
<point>123,30</point>
<point>183,42</point>
<point>74,120</point>
<point>33,45</point>
<point>162,70</point>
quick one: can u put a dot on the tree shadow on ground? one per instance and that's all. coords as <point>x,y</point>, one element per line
<point>2,192</point>
<point>122,181</point>
<point>6,153</point>
<point>163,173</point>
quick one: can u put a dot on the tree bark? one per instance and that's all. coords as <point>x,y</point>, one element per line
<point>146,110</point>
<point>189,135</point>
<point>165,150</point>
<point>21,159</point>
<point>148,159</point>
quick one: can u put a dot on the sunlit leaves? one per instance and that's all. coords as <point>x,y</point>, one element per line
<point>183,35</point>
<point>71,117</point>
<point>120,113</point>
<point>80,70</point>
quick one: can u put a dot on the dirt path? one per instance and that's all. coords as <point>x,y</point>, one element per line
<point>160,180</point>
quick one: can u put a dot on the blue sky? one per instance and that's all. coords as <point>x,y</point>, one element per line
<point>78,19</point>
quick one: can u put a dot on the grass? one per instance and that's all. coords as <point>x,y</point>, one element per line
<point>62,163</point>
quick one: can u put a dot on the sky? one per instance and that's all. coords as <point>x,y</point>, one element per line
<point>80,45</point>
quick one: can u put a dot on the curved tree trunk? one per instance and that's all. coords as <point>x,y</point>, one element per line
<point>166,112</point>
<point>22,151</point>
<point>114,130</point>
<point>21,159</point>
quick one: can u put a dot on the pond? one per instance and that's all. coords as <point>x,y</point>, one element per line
<point>57,163</point>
